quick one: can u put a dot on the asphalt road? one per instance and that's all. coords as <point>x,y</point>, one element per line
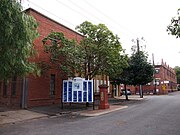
<point>156,115</point>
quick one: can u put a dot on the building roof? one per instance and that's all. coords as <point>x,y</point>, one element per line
<point>31,9</point>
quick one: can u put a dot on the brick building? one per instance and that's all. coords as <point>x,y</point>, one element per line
<point>44,90</point>
<point>164,80</point>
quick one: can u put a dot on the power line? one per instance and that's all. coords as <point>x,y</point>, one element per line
<point>128,37</point>
<point>61,18</point>
<point>52,14</point>
<point>89,13</point>
<point>111,19</point>
<point>125,34</point>
<point>79,13</point>
<point>57,21</point>
<point>73,9</point>
<point>85,10</point>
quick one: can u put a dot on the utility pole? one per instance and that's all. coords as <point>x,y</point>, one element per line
<point>154,76</point>
<point>137,45</point>
<point>140,86</point>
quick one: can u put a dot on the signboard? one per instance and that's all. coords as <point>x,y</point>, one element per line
<point>163,87</point>
<point>166,82</point>
<point>78,90</point>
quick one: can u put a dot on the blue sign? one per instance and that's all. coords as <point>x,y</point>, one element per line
<point>78,90</point>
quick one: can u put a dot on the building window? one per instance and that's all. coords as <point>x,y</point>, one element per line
<point>5,88</point>
<point>13,86</point>
<point>156,81</point>
<point>52,85</point>
<point>156,71</point>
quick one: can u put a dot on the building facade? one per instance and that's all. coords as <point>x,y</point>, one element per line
<point>47,90</point>
<point>164,80</point>
<point>34,91</point>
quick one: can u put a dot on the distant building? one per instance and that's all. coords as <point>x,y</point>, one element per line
<point>164,80</point>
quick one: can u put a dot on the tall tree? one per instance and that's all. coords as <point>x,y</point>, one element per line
<point>17,32</point>
<point>174,27</point>
<point>140,71</point>
<point>177,70</point>
<point>124,78</point>
<point>99,52</point>
<point>103,53</point>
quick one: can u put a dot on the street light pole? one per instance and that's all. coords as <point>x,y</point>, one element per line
<point>154,76</point>
<point>140,87</point>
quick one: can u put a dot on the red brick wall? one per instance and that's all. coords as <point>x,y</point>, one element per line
<point>39,87</point>
<point>166,73</point>
<point>9,99</point>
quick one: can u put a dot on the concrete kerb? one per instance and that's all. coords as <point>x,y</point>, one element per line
<point>131,97</point>
<point>93,113</point>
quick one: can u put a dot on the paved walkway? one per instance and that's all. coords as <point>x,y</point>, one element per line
<point>18,115</point>
<point>13,116</point>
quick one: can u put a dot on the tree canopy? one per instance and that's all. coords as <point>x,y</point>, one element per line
<point>177,70</point>
<point>99,52</point>
<point>103,53</point>
<point>64,53</point>
<point>174,27</point>
<point>140,71</point>
<point>17,31</point>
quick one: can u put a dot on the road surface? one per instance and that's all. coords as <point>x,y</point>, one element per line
<point>155,115</point>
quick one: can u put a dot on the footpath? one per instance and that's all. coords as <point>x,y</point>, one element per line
<point>19,115</point>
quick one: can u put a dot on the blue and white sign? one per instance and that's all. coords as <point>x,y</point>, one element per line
<point>78,90</point>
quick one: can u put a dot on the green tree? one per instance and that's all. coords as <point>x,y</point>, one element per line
<point>99,52</point>
<point>140,71</point>
<point>174,27</point>
<point>102,51</point>
<point>124,78</point>
<point>65,54</point>
<point>17,32</point>
<point>177,70</point>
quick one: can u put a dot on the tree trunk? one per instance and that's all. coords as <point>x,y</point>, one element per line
<point>140,91</point>
<point>126,92</point>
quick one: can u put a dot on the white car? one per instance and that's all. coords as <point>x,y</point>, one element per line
<point>123,92</point>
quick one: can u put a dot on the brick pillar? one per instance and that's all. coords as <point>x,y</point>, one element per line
<point>103,97</point>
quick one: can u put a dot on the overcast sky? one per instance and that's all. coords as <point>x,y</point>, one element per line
<point>129,19</point>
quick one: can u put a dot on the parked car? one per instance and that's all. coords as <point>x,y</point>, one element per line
<point>128,92</point>
<point>178,87</point>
